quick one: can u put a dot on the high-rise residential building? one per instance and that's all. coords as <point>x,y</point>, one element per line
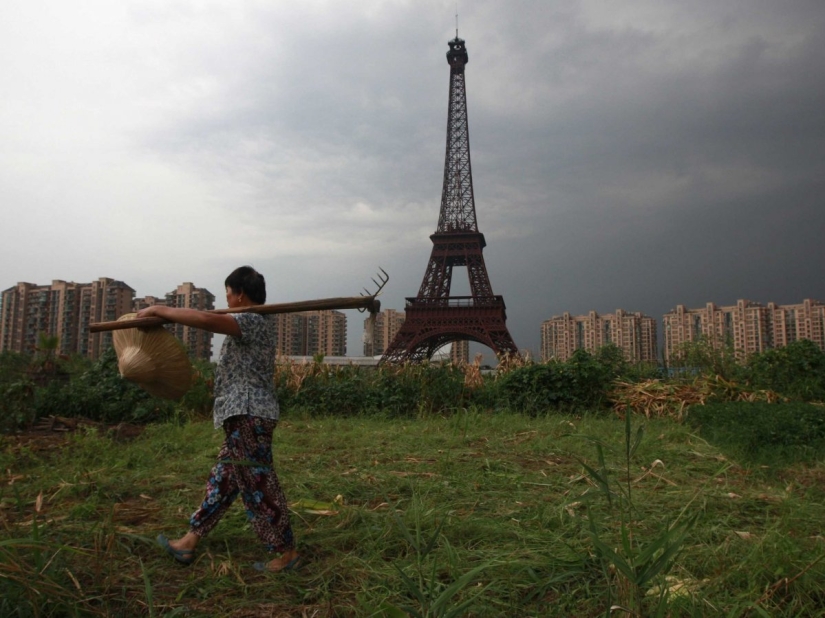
<point>460,352</point>
<point>198,342</point>
<point>147,301</point>
<point>105,301</point>
<point>386,324</point>
<point>25,313</point>
<point>291,336</point>
<point>312,332</point>
<point>634,333</point>
<point>66,309</point>
<point>789,323</point>
<point>749,327</point>
<point>62,309</point>
<point>64,323</point>
<point>327,333</point>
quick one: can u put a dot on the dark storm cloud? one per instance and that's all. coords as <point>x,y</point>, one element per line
<point>659,175</point>
<point>636,155</point>
<point>625,167</point>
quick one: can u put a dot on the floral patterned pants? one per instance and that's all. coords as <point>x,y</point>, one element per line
<point>244,467</point>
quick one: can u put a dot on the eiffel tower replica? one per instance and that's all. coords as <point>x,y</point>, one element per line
<point>433,317</point>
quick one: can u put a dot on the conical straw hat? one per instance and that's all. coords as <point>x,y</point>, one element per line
<point>154,359</point>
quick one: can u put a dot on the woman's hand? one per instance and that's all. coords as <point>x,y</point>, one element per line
<point>148,312</point>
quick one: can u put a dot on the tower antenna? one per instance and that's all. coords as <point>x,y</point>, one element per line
<point>456,20</point>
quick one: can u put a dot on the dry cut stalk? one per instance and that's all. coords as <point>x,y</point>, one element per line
<point>656,399</point>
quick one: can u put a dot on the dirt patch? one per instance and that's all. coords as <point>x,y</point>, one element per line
<point>543,463</point>
<point>51,432</point>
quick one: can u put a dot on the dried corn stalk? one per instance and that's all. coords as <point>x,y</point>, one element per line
<point>509,362</point>
<point>472,373</point>
<point>656,398</point>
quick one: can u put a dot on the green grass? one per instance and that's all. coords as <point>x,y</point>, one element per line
<point>500,500</point>
<point>764,433</point>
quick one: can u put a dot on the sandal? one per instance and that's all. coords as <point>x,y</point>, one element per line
<point>292,565</point>
<point>184,556</point>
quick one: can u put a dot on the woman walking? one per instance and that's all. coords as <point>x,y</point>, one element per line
<point>247,410</point>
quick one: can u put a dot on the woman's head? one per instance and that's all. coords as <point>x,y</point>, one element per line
<point>247,282</point>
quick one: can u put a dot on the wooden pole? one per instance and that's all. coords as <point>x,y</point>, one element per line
<point>323,304</point>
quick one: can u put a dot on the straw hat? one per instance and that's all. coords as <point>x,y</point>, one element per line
<point>154,359</point>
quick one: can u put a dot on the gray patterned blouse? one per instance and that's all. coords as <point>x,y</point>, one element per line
<point>244,379</point>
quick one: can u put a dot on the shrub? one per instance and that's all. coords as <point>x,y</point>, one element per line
<point>580,382</point>
<point>16,404</point>
<point>201,397</point>
<point>705,357</point>
<point>404,390</point>
<point>100,394</point>
<point>13,367</point>
<point>642,372</point>
<point>397,391</point>
<point>440,387</point>
<point>796,371</point>
<point>618,367</point>
<point>611,357</point>
<point>331,390</point>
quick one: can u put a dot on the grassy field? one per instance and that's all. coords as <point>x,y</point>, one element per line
<point>476,514</point>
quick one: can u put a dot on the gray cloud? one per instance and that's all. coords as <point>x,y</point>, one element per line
<point>636,156</point>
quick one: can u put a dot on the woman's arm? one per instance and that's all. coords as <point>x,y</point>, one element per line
<point>221,323</point>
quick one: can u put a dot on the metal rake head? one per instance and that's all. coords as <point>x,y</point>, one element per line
<point>383,278</point>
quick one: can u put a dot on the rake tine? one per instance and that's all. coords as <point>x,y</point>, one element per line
<point>383,277</point>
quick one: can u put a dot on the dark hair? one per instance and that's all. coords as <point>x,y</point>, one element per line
<point>249,281</point>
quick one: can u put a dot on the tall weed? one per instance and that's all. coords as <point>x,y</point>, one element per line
<point>638,564</point>
<point>432,597</point>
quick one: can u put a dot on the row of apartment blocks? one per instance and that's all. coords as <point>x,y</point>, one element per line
<point>634,333</point>
<point>66,309</point>
<point>748,326</point>
<point>751,327</point>
<point>310,333</point>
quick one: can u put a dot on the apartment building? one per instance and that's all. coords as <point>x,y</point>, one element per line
<point>187,296</point>
<point>634,333</point>
<point>25,312</point>
<point>384,328</point>
<point>104,300</point>
<point>789,323</point>
<point>312,332</point>
<point>460,352</point>
<point>65,309</point>
<point>147,301</point>
<point>748,326</point>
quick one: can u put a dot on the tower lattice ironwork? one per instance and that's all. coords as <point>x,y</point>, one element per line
<point>433,317</point>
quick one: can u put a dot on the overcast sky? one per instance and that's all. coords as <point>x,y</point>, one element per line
<point>633,154</point>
